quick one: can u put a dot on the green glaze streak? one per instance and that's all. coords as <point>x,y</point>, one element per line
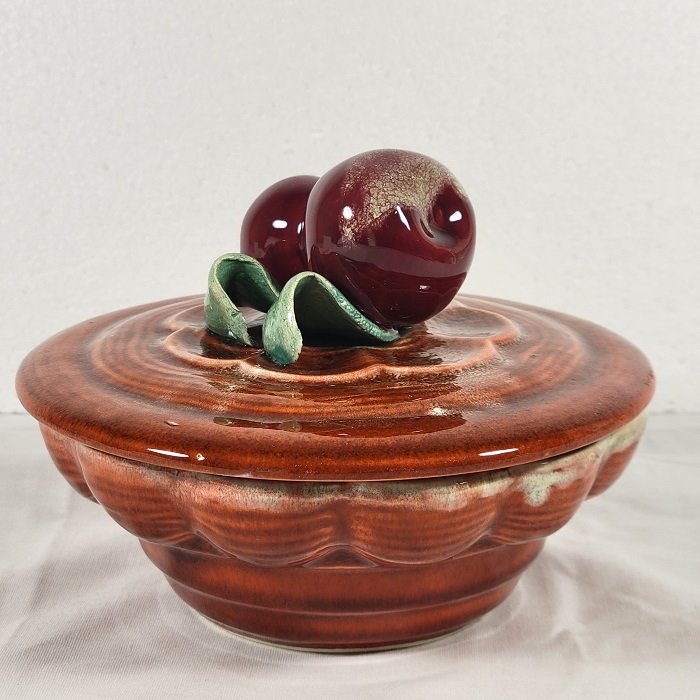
<point>309,303</point>
<point>237,280</point>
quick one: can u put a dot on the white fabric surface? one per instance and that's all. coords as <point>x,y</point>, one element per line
<point>610,609</point>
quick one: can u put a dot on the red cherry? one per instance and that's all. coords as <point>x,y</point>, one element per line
<point>394,231</point>
<point>273,227</point>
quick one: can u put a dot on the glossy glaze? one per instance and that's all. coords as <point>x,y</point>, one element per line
<point>338,565</point>
<point>485,384</point>
<point>273,227</point>
<point>365,497</point>
<point>394,231</point>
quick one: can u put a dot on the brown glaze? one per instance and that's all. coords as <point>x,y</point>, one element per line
<point>484,385</point>
<point>363,498</point>
<point>354,608</point>
<point>343,565</point>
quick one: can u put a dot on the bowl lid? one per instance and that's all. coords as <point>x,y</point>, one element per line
<point>483,385</point>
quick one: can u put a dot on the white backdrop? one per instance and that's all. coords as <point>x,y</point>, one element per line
<point>133,136</point>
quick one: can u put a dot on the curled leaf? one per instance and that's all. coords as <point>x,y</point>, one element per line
<point>237,280</point>
<point>310,304</point>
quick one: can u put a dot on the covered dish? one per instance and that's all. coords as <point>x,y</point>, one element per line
<point>366,495</point>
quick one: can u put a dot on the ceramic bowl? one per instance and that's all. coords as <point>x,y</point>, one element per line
<point>362,498</point>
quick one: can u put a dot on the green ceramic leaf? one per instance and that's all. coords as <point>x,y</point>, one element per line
<point>309,303</point>
<point>237,280</point>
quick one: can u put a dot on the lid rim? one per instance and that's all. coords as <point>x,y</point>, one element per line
<point>78,404</point>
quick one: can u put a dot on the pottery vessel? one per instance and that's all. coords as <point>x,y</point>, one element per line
<point>362,498</point>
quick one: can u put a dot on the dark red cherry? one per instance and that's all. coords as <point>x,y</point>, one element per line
<point>273,227</point>
<point>394,231</point>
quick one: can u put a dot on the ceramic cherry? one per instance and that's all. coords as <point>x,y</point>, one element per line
<point>394,231</point>
<point>273,227</point>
